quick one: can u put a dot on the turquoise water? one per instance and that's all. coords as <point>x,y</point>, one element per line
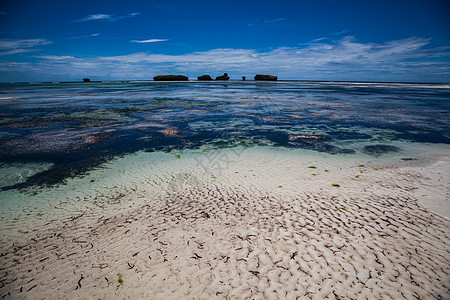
<point>52,132</point>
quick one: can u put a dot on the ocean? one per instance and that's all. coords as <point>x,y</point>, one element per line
<point>50,132</point>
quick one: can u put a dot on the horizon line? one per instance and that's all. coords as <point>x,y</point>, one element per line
<point>222,81</point>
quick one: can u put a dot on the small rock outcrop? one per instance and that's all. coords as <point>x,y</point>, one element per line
<point>223,77</point>
<point>243,78</point>
<point>204,78</point>
<point>86,80</point>
<point>170,78</point>
<point>261,77</point>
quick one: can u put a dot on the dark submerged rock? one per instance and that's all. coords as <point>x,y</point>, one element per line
<point>204,78</point>
<point>170,78</point>
<point>261,77</point>
<point>86,80</point>
<point>378,150</point>
<point>223,77</point>
<point>243,78</point>
<point>348,135</point>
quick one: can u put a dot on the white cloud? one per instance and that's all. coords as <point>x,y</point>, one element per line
<point>97,17</point>
<point>7,66</point>
<point>14,44</point>
<point>20,46</point>
<point>319,39</point>
<point>344,59</point>
<point>105,17</point>
<point>150,41</point>
<point>55,57</point>
<point>16,51</point>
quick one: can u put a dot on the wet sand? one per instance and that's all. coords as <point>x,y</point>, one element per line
<point>234,224</point>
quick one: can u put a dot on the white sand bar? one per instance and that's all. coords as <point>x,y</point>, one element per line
<point>252,223</point>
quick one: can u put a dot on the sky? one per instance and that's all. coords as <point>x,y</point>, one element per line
<point>359,40</point>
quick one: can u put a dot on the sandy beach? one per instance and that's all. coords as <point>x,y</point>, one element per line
<point>255,223</point>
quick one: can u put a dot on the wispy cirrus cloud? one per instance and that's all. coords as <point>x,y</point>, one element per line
<point>331,36</point>
<point>319,39</point>
<point>344,59</point>
<point>340,32</point>
<point>95,17</point>
<point>8,47</point>
<point>266,21</point>
<point>149,41</point>
<point>55,57</point>
<point>83,36</point>
<point>276,20</point>
<point>105,17</point>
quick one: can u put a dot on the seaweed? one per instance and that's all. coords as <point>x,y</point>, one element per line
<point>213,177</point>
<point>312,167</point>
<point>177,156</point>
<point>335,185</point>
<point>92,180</point>
<point>119,278</point>
<point>361,166</point>
<point>280,186</point>
<point>341,208</point>
<point>357,176</point>
<point>314,174</point>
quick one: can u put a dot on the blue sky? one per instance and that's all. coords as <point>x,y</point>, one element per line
<point>304,39</point>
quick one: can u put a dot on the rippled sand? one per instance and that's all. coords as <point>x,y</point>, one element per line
<point>232,224</point>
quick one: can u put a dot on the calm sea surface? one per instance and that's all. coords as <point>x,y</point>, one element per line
<point>50,132</point>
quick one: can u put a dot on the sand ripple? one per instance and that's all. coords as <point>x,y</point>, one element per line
<point>258,228</point>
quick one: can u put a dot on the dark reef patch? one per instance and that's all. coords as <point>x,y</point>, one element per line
<point>348,135</point>
<point>380,149</point>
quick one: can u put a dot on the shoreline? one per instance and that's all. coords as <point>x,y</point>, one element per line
<point>236,223</point>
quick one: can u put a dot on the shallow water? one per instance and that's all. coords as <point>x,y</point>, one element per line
<point>52,132</point>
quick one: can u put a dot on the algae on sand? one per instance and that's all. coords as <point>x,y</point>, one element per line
<point>119,278</point>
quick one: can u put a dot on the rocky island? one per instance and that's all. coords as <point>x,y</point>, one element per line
<point>260,77</point>
<point>204,78</point>
<point>170,78</point>
<point>223,77</point>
